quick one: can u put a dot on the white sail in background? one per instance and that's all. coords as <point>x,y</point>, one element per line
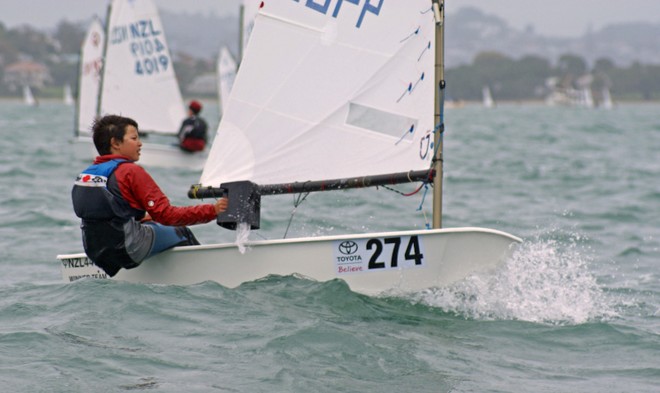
<point>487,97</point>
<point>606,97</point>
<point>28,98</point>
<point>226,75</point>
<point>67,96</point>
<point>138,74</point>
<point>330,92</point>
<point>89,76</point>
<point>250,9</point>
<point>586,98</point>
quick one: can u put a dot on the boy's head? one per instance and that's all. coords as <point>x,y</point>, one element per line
<point>108,127</point>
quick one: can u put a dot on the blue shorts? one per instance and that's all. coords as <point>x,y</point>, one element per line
<point>166,237</point>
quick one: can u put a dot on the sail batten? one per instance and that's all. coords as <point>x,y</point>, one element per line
<point>329,95</point>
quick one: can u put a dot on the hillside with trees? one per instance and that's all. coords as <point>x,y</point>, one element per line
<point>482,50</point>
<point>527,78</point>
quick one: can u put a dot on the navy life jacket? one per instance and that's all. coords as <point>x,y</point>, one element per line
<point>96,195</point>
<point>112,235</point>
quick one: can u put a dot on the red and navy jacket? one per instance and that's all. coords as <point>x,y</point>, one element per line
<point>111,197</point>
<point>140,191</point>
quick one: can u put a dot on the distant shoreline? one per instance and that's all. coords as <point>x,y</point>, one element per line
<point>463,103</point>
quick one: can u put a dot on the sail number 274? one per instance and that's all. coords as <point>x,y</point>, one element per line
<point>378,253</point>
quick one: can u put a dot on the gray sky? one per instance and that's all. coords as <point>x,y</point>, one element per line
<point>558,18</point>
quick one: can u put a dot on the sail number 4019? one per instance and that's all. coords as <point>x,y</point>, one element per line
<point>378,253</point>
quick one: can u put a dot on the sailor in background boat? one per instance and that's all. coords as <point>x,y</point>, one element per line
<point>192,134</point>
<point>126,218</point>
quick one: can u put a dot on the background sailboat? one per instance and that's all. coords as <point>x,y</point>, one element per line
<point>606,99</point>
<point>374,67</point>
<point>137,80</point>
<point>89,80</point>
<point>487,97</point>
<point>28,97</point>
<point>227,66</point>
<point>226,69</point>
<point>248,12</point>
<point>67,96</point>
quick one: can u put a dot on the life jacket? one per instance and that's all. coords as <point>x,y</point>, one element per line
<point>112,236</point>
<point>193,128</point>
<point>96,195</point>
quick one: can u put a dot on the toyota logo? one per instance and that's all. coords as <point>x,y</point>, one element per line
<point>348,247</point>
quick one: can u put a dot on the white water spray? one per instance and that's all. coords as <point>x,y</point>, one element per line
<point>543,282</point>
<point>242,234</point>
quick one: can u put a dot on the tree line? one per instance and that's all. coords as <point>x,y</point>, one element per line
<point>528,78</point>
<point>508,78</point>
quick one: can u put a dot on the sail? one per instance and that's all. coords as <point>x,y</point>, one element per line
<point>330,92</point>
<point>487,97</point>
<point>226,75</point>
<point>138,74</point>
<point>89,76</point>
<point>606,99</point>
<point>28,98</point>
<point>67,95</point>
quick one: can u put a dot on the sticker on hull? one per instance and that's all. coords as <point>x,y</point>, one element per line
<point>74,269</point>
<point>378,254</point>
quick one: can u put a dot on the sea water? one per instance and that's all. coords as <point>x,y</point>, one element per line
<point>575,309</point>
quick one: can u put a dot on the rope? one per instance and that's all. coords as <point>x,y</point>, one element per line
<point>296,203</point>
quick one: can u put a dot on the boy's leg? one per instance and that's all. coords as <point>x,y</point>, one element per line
<point>166,237</point>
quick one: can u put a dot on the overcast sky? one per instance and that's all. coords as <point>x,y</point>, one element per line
<point>558,18</point>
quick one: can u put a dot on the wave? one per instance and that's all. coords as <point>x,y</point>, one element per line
<point>545,281</point>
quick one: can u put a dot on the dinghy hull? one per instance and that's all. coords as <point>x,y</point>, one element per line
<point>375,263</point>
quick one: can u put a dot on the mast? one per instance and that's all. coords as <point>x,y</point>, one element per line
<point>103,62</point>
<point>76,109</point>
<point>241,27</point>
<point>439,13</point>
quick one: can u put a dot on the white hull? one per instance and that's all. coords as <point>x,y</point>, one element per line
<point>151,155</point>
<point>437,258</point>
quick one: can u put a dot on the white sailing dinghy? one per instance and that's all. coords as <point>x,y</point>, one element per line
<point>487,97</point>
<point>137,80</point>
<point>226,68</point>
<point>28,97</point>
<point>67,96</point>
<point>89,81</point>
<point>347,100</point>
<point>248,12</point>
<point>606,99</point>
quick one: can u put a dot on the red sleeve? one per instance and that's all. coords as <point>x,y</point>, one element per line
<point>141,192</point>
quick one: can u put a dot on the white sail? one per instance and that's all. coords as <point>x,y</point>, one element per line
<point>28,98</point>
<point>586,98</point>
<point>606,99</point>
<point>226,75</point>
<point>89,76</point>
<point>330,92</point>
<point>250,8</point>
<point>487,97</point>
<point>138,74</point>
<point>67,95</point>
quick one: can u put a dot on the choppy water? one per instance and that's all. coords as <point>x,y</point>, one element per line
<point>575,310</point>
